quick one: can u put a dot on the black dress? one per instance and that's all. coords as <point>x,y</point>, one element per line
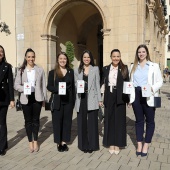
<point>88,137</point>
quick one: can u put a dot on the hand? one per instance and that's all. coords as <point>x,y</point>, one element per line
<point>101,104</point>
<point>12,104</point>
<point>43,104</point>
<point>129,105</point>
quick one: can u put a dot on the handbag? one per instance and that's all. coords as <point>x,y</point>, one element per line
<point>100,114</point>
<point>49,105</point>
<point>18,103</point>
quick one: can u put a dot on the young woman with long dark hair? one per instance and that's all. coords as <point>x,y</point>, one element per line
<point>32,103</point>
<point>62,104</point>
<point>6,98</point>
<point>87,103</point>
<point>115,101</point>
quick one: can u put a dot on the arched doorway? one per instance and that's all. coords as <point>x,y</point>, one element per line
<point>81,23</point>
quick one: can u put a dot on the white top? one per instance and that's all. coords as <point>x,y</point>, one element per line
<point>113,77</point>
<point>31,78</point>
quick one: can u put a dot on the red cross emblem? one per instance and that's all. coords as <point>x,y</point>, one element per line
<point>129,85</point>
<point>144,88</point>
<point>27,86</point>
<point>62,86</point>
<point>80,85</point>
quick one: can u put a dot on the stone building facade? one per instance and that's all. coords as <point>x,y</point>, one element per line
<point>97,25</point>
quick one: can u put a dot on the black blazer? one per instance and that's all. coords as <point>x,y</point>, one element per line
<point>121,97</point>
<point>6,84</point>
<point>70,88</point>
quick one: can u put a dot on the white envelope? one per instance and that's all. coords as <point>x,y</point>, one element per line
<point>27,88</point>
<point>127,87</point>
<point>146,90</point>
<point>80,86</point>
<point>62,88</point>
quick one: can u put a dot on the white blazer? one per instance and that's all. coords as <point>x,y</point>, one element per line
<point>154,80</point>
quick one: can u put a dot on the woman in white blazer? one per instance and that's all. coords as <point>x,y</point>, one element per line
<point>33,102</point>
<point>87,103</point>
<point>143,72</point>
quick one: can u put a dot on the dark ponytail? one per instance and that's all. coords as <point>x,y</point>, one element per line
<point>24,64</point>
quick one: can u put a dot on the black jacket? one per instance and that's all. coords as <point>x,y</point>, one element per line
<point>70,88</point>
<point>6,84</point>
<point>121,97</point>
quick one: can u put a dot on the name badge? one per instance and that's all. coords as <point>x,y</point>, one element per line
<point>62,88</point>
<point>80,86</point>
<point>27,88</point>
<point>146,90</point>
<point>127,87</point>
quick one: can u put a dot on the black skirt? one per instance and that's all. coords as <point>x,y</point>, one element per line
<point>114,122</point>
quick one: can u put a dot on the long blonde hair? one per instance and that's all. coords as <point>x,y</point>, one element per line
<point>136,60</point>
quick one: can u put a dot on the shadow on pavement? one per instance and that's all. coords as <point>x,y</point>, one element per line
<point>22,133</point>
<point>130,125</point>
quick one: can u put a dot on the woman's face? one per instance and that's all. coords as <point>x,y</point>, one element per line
<point>142,54</point>
<point>115,58</point>
<point>1,54</point>
<point>30,57</point>
<point>86,59</point>
<point>62,60</point>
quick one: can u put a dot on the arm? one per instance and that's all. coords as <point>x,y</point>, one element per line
<point>50,85</point>
<point>17,84</point>
<point>44,85</point>
<point>10,84</point>
<point>158,81</point>
<point>98,84</point>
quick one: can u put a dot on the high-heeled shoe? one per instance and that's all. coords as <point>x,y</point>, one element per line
<point>138,153</point>
<point>117,152</point>
<point>111,151</point>
<point>143,154</point>
<point>36,149</point>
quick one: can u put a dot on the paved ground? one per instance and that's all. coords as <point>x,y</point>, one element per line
<point>19,158</point>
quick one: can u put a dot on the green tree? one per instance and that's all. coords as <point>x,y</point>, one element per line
<point>70,52</point>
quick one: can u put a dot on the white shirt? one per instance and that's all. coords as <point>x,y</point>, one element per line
<point>31,78</point>
<point>113,76</point>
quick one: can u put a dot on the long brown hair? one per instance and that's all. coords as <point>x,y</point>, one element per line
<point>57,70</point>
<point>121,64</point>
<point>4,58</point>
<point>136,60</point>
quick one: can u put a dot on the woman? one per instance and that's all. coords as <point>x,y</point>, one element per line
<point>143,72</point>
<point>6,98</point>
<point>115,103</point>
<point>62,104</point>
<point>87,103</point>
<point>32,103</point>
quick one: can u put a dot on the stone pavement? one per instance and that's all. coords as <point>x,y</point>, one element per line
<point>19,158</point>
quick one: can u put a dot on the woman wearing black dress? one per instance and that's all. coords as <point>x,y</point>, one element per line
<point>87,103</point>
<point>6,98</point>
<point>115,103</point>
<point>62,104</point>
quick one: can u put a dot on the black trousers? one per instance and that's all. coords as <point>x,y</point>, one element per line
<point>3,128</point>
<point>87,121</point>
<point>143,113</point>
<point>31,113</point>
<point>62,121</point>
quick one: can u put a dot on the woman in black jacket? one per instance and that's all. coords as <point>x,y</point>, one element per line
<point>115,103</point>
<point>62,104</point>
<point>6,98</point>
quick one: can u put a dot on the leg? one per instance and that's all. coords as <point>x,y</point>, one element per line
<point>92,130</point>
<point>67,122</point>
<point>139,115</point>
<point>36,123</point>
<point>57,119</point>
<point>3,128</point>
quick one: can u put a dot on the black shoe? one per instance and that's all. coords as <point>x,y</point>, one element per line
<point>138,153</point>
<point>85,150</point>
<point>60,148</point>
<point>90,151</point>
<point>65,147</point>
<point>2,152</point>
<point>143,154</point>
